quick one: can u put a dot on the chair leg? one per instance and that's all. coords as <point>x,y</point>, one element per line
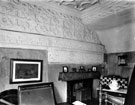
<point>105,98</point>
<point>100,98</point>
<point>100,94</point>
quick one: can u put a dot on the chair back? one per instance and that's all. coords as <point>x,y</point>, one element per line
<point>37,94</point>
<point>9,96</point>
<point>130,97</point>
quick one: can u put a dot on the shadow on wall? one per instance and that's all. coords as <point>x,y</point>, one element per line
<point>57,95</point>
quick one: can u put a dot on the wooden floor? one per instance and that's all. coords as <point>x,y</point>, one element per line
<point>92,102</point>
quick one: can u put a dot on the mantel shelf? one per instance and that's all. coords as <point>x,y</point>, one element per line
<point>70,76</point>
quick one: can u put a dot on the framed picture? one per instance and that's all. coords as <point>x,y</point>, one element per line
<point>94,68</point>
<point>65,69</point>
<point>25,70</point>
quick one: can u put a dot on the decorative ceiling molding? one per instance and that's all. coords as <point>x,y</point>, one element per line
<point>51,5</point>
<point>104,9</point>
<point>90,11</point>
<point>76,4</point>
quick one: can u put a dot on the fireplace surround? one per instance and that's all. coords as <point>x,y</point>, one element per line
<point>79,85</point>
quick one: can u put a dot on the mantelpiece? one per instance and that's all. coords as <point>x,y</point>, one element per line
<point>70,76</point>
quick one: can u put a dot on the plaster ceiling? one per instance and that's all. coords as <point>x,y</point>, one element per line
<point>102,14</point>
<point>99,14</point>
<point>79,5</point>
<point>108,8</point>
<point>115,20</point>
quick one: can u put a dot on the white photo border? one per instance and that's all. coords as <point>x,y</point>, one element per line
<point>23,62</point>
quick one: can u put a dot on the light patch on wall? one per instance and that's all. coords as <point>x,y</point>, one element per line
<point>4,0</point>
<point>32,0</point>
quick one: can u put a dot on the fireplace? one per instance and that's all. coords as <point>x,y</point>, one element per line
<point>79,90</point>
<point>79,85</point>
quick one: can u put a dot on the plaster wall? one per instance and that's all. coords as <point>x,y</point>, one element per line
<point>118,31</point>
<point>6,54</point>
<point>119,39</point>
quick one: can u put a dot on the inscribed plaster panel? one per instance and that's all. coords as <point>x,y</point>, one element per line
<point>74,57</point>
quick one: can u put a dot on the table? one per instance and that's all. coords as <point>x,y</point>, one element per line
<point>119,93</point>
<point>122,91</point>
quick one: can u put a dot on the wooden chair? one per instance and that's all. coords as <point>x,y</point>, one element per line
<point>38,94</point>
<point>30,94</point>
<point>9,97</point>
<point>129,98</point>
<point>114,100</point>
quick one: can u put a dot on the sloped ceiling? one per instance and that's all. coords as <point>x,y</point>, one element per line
<point>109,13</point>
<point>114,20</point>
<point>102,14</point>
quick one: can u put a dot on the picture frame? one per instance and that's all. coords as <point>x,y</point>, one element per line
<point>94,68</point>
<point>65,69</point>
<point>122,60</point>
<point>25,70</point>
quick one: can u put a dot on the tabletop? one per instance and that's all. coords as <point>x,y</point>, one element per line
<point>123,91</point>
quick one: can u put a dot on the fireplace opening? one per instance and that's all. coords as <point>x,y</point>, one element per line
<point>79,85</point>
<point>79,90</point>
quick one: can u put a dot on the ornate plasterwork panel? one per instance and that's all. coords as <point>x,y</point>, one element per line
<point>48,42</point>
<point>65,37</point>
<point>75,57</point>
<point>26,17</point>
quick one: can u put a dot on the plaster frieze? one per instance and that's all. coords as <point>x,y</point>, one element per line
<point>26,17</point>
<point>10,37</point>
<point>59,49</point>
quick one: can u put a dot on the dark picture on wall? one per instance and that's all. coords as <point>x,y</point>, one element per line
<point>24,70</point>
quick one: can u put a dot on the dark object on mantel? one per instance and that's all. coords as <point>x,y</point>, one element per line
<point>70,76</point>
